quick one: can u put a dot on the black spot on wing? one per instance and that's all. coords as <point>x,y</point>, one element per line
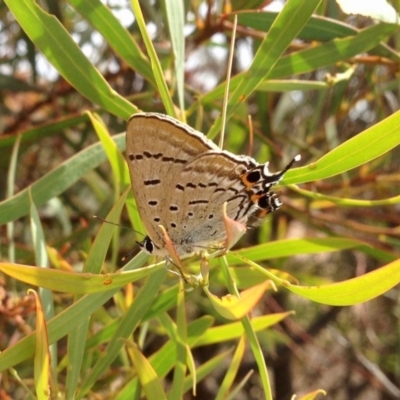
<point>174,160</point>
<point>151,182</point>
<point>193,202</point>
<point>253,176</point>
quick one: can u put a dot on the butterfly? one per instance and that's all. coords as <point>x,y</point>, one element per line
<point>181,181</point>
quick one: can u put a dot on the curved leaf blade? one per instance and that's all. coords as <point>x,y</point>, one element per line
<point>56,181</point>
<point>366,146</point>
<point>75,282</point>
<point>53,40</point>
<point>352,291</point>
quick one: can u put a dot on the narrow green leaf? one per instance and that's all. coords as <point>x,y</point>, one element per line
<point>317,28</point>
<point>63,322</point>
<point>345,202</point>
<point>46,296</point>
<point>77,338</point>
<point>42,355</point>
<point>129,323</point>
<point>34,134</point>
<point>258,356</point>
<point>155,63</point>
<point>175,17</point>
<point>56,181</point>
<point>149,380</point>
<point>234,331</point>
<point>352,291</point>
<point>101,18</point>
<point>285,28</point>
<point>114,155</point>
<point>98,251</point>
<point>274,85</point>
<point>74,282</point>
<point>313,395</point>
<point>9,193</point>
<point>366,146</point>
<point>230,376</point>
<point>291,247</point>
<point>205,370</point>
<point>76,354</point>
<point>308,60</point>
<point>53,40</point>
<point>333,51</point>
<point>176,391</point>
<point>41,258</point>
<point>164,302</point>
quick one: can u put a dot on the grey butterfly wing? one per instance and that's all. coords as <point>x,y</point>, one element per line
<point>205,184</point>
<point>195,220</point>
<point>158,147</point>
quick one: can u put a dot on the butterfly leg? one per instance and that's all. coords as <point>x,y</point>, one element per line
<point>192,280</point>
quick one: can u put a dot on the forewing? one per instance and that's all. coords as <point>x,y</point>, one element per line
<point>158,147</point>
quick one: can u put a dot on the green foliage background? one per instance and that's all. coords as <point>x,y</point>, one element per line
<point>315,82</point>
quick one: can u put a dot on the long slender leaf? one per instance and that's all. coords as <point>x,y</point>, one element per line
<point>42,354</point>
<point>155,63</point>
<point>353,291</point>
<point>175,17</point>
<point>47,33</point>
<point>115,34</point>
<point>129,322</point>
<point>56,181</point>
<point>64,322</point>
<point>366,146</point>
<point>317,28</point>
<point>319,56</point>
<point>285,28</point>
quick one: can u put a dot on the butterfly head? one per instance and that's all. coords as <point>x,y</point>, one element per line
<point>147,245</point>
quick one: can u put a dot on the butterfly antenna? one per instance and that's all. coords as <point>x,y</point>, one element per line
<point>113,223</point>
<point>290,165</point>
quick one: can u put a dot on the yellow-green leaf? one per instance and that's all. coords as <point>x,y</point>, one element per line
<point>231,307</point>
<point>313,395</point>
<point>352,291</point>
<point>75,282</point>
<point>54,41</point>
<point>42,354</point>
<point>149,380</point>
